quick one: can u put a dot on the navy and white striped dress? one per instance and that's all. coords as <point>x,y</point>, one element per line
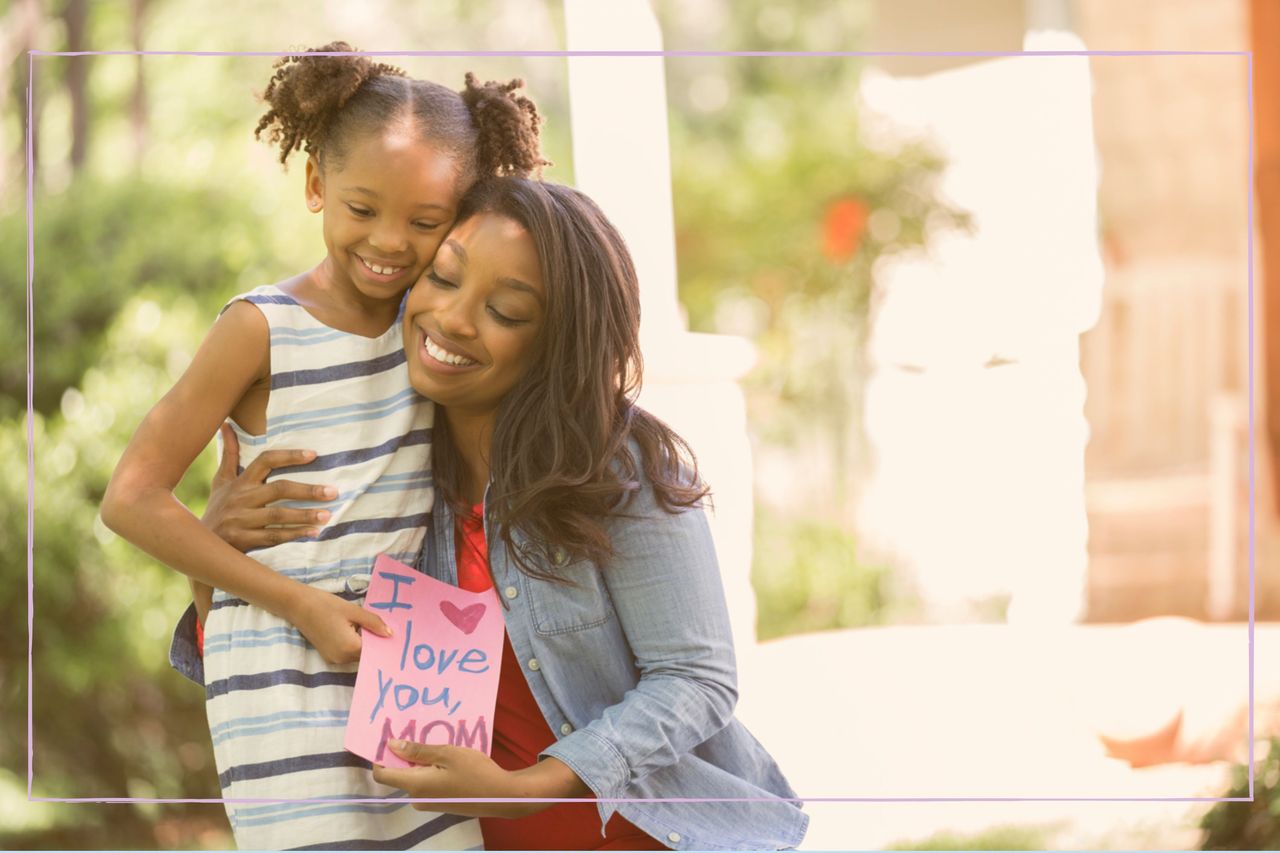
<point>277,710</point>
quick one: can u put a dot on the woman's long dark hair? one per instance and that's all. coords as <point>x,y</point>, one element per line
<point>561,462</point>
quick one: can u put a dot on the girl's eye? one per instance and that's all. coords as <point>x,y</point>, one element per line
<point>426,226</point>
<point>359,211</point>
<point>440,282</point>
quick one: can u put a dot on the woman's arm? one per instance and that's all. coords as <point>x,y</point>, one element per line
<point>666,591</point>
<point>141,507</point>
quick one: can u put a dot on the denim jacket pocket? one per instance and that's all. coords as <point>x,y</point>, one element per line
<point>560,608</point>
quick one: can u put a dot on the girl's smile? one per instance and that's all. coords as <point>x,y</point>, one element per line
<point>381,271</point>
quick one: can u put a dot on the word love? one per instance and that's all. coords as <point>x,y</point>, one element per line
<point>426,658</point>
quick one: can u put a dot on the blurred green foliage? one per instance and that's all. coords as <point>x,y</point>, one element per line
<point>110,718</point>
<point>807,577</point>
<point>1248,823</point>
<point>98,247</point>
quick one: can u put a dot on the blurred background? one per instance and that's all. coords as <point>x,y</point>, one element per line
<point>962,344</point>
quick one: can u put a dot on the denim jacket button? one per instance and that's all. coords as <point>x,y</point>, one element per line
<point>511,592</point>
<point>673,837</point>
<point>566,729</point>
<point>561,557</point>
<point>533,664</point>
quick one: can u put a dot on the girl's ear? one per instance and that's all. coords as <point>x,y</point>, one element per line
<point>314,185</point>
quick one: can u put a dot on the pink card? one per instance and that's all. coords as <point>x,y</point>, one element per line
<point>435,680</point>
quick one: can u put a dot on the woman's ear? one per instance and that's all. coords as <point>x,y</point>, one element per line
<point>314,185</point>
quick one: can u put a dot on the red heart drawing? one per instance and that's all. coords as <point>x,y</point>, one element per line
<point>466,619</point>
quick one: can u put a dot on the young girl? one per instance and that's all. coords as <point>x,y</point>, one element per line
<point>317,361</point>
<point>618,678</point>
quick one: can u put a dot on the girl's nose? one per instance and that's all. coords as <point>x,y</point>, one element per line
<point>389,239</point>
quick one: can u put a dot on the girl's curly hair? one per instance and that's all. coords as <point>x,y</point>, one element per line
<point>321,103</point>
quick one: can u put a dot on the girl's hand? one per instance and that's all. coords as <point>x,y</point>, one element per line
<point>456,771</point>
<point>238,511</point>
<point>332,624</point>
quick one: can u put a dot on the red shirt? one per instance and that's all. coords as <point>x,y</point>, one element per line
<point>520,732</point>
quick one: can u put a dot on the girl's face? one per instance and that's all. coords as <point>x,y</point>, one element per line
<point>386,209</point>
<point>472,321</point>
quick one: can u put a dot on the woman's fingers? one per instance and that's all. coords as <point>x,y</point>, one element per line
<point>269,460</point>
<point>289,515</point>
<point>411,779</point>
<point>250,538</point>
<point>292,490</point>
<point>420,753</point>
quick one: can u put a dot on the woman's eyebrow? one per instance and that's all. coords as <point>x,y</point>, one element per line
<point>517,284</point>
<point>457,249</point>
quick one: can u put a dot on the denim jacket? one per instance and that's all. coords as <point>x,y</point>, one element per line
<point>633,668</point>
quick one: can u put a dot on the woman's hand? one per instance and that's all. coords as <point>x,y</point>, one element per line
<point>238,511</point>
<point>456,771</point>
<point>332,624</point>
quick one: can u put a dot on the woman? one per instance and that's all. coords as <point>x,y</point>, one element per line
<point>618,674</point>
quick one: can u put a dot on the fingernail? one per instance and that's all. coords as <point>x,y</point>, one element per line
<point>322,515</point>
<point>310,454</point>
<point>330,492</point>
<point>313,532</point>
<point>396,744</point>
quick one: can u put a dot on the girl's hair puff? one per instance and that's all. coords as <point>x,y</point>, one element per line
<point>320,104</point>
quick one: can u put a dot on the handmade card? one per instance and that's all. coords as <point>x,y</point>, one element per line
<point>435,680</point>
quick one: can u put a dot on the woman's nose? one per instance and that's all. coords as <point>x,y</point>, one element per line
<point>454,318</point>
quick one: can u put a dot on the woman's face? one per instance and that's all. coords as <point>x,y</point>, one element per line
<point>472,320</point>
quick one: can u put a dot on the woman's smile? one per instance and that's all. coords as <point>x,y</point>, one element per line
<point>441,357</point>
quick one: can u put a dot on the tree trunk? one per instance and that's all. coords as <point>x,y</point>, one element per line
<point>76,18</point>
<point>138,111</point>
<point>25,19</point>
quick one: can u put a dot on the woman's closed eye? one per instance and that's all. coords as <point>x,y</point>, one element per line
<point>444,284</point>
<point>438,281</point>
<point>359,211</point>
<point>503,319</point>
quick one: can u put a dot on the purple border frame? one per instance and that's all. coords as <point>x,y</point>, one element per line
<point>31,54</point>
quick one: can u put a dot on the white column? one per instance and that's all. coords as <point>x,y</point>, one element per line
<point>621,157</point>
<point>621,153</point>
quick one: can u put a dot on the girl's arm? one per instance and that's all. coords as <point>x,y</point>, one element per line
<point>141,507</point>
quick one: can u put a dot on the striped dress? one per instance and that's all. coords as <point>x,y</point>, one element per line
<point>277,710</point>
